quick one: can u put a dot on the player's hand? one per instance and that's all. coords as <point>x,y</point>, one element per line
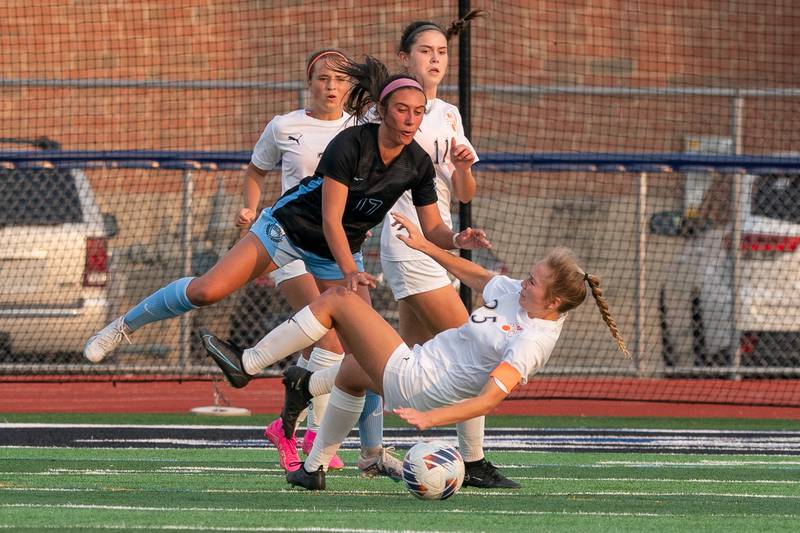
<point>415,239</point>
<point>472,238</point>
<point>354,279</point>
<point>461,156</point>
<point>245,217</point>
<point>414,418</point>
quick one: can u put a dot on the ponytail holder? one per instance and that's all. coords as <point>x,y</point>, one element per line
<point>585,276</point>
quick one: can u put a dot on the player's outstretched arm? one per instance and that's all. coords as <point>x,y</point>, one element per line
<point>474,276</point>
<point>482,404</point>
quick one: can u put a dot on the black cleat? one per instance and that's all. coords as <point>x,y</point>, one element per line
<point>485,475</point>
<point>228,357</point>
<point>295,397</point>
<point>308,480</point>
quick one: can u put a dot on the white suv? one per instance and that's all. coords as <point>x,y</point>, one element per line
<point>53,261</point>
<point>699,330</point>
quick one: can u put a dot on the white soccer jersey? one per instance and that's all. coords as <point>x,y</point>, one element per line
<point>441,122</point>
<point>296,141</point>
<point>455,364</point>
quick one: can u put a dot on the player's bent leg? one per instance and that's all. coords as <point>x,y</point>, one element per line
<point>243,262</point>
<point>340,417</point>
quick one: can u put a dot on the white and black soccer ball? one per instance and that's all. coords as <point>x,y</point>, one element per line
<point>433,470</point>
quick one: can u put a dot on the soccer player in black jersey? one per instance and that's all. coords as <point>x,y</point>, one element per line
<point>324,220</point>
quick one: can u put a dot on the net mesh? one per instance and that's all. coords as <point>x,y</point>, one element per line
<point>699,264</point>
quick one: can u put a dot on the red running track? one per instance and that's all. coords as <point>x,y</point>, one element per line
<point>265,396</point>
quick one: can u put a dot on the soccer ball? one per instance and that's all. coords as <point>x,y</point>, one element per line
<point>433,470</point>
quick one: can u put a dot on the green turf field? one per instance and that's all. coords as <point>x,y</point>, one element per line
<point>243,489</point>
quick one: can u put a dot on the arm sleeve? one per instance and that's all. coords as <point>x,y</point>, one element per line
<point>424,190</point>
<point>339,161</point>
<point>266,153</point>
<point>506,376</point>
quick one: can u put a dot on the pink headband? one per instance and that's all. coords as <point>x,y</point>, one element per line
<point>397,84</point>
<point>310,67</point>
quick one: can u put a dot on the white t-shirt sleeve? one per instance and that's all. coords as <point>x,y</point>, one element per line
<point>528,354</point>
<point>266,153</point>
<point>499,286</point>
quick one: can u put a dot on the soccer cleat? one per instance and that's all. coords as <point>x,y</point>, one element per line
<point>308,480</point>
<point>287,448</point>
<point>106,340</point>
<point>295,396</point>
<point>383,464</point>
<point>308,442</point>
<point>485,475</point>
<point>228,358</point>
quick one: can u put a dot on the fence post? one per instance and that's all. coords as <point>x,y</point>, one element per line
<point>464,104</point>
<point>641,249</point>
<point>184,344</point>
<point>737,118</point>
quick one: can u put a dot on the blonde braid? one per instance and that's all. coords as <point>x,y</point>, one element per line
<point>594,285</point>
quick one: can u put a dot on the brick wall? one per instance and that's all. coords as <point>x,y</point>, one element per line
<point>645,43</point>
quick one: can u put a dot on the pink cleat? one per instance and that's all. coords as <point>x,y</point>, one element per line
<point>287,448</point>
<point>308,441</point>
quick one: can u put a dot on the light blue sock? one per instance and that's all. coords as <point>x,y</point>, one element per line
<point>167,302</point>
<point>370,423</point>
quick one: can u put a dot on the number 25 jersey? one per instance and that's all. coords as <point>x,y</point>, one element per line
<point>457,362</point>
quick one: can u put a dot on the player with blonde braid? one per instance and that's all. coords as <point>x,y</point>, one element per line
<point>459,374</point>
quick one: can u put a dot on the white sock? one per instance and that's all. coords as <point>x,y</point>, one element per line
<point>320,359</point>
<point>340,417</point>
<point>300,331</point>
<point>470,438</point>
<point>322,381</point>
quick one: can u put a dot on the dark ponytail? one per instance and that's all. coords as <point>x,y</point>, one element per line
<point>410,32</point>
<point>369,79</point>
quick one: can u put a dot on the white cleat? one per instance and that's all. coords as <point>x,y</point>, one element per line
<point>383,464</point>
<point>106,340</point>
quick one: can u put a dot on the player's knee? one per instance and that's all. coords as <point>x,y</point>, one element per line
<point>202,294</point>
<point>338,292</point>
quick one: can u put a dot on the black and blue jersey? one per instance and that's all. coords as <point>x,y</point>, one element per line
<point>353,159</point>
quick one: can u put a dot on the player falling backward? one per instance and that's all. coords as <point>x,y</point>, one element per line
<point>459,374</point>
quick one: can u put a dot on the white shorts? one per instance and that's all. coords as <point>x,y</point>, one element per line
<point>407,384</point>
<point>394,374</point>
<point>414,276</point>
<point>289,271</point>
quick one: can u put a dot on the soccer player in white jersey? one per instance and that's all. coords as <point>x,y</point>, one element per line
<point>295,141</point>
<point>427,301</point>
<point>459,374</point>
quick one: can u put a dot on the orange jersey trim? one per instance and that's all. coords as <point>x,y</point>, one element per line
<point>507,375</point>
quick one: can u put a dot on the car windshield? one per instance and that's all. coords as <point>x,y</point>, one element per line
<point>777,196</point>
<point>38,197</point>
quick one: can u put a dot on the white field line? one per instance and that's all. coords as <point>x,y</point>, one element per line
<point>553,432</point>
<point>482,494</point>
<point>708,462</point>
<point>280,473</point>
<point>220,528</point>
<point>361,511</point>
